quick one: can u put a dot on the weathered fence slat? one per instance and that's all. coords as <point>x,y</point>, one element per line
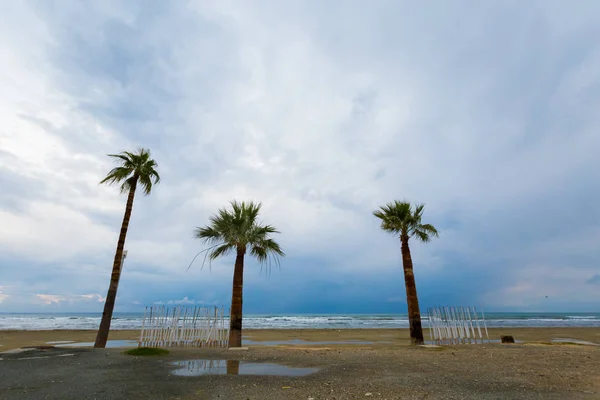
<point>184,326</point>
<point>457,325</point>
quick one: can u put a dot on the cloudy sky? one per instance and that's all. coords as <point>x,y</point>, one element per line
<point>487,112</point>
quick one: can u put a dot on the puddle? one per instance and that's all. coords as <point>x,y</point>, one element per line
<point>38,357</point>
<point>15,351</point>
<point>235,367</point>
<point>61,342</point>
<point>296,342</point>
<point>109,344</point>
<point>569,340</point>
<point>479,342</point>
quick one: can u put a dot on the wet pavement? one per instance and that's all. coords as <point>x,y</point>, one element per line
<point>110,344</point>
<point>488,372</point>
<point>298,342</point>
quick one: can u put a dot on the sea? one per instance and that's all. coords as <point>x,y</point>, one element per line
<point>123,321</point>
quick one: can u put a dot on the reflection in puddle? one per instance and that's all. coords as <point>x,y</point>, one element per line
<point>61,342</point>
<point>486,341</point>
<point>236,367</point>
<point>16,351</point>
<point>569,340</point>
<point>109,344</point>
<point>38,357</point>
<point>297,342</point>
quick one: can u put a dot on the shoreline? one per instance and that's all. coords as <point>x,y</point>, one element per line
<point>369,337</point>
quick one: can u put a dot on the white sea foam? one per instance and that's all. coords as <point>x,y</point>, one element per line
<point>134,321</point>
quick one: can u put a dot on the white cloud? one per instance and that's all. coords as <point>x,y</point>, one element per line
<point>186,302</point>
<point>544,286</point>
<point>49,231</point>
<point>71,298</point>
<point>50,298</point>
<point>3,296</point>
<point>40,142</point>
<point>94,296</point>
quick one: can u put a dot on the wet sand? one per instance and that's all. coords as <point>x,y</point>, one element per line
<point>376,337</point>
<point>478,372</point>
<point>401,336</point>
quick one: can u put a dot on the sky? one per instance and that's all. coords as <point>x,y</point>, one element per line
<point>486,112</point>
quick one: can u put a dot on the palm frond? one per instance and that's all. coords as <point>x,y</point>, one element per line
<point>154,175</point>
<point>209,234</point>
<point>221,250</point>
<point>237,227</point>
<point>121,158</point>
<point>258,233</point>
<point>266,252</point>
<point>116,175</point>
<point>394,216</point>
<point>418,213</point>
<point>422,236</point>
<point>133,168</point>
<point>430,229</point>
<point>205,255</point>
<point>400,217</point>
<point>128,184</point>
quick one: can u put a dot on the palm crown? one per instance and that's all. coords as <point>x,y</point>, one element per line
<point>238,229</point>
<point>133,168</point>
<point>401,218</point>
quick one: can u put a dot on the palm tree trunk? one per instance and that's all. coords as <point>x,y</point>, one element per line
<point>414,314</point>
<point>235,320</point>
<point>111,296</point>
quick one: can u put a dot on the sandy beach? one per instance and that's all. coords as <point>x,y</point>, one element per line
<point>374,337</point>
<point>475,372</point>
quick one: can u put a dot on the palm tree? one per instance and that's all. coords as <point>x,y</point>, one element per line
<point>237,229</point>
<point>400,218</point>
<point>133,169</point>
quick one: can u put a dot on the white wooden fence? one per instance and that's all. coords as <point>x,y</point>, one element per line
<point>457,325</point>
<point>184,326</point>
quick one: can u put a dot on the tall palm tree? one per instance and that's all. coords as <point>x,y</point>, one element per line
<point>237,229</point>
<point>400,218</point>
<point>133,169</point>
